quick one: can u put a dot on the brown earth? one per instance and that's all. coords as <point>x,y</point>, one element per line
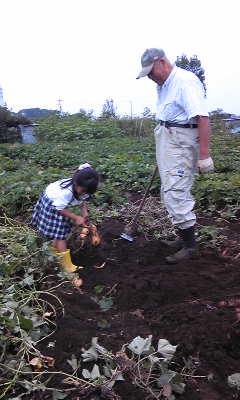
<point>179,303</point>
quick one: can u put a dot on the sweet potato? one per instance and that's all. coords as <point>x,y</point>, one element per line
<point>83,235</point>
<point>95,239</point>
<point>85,231</point>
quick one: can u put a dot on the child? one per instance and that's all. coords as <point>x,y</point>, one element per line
<point>51,216</point>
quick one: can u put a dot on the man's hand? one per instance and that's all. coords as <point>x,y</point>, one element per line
<point>205,166</point>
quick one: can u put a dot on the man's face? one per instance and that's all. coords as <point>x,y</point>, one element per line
<point>157,73</point>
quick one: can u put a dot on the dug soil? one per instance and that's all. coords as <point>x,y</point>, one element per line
<point>192,304</point>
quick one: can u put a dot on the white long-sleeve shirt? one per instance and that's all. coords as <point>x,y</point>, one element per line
<point>181,97</point>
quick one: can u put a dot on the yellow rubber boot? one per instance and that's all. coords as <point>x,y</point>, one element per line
<point>66,262</point>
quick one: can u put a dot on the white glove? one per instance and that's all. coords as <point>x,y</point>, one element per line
<point>205,166</point>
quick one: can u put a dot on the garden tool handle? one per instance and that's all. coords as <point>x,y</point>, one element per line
<point>145,195</point>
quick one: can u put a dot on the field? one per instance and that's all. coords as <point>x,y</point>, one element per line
<point>47,324</point>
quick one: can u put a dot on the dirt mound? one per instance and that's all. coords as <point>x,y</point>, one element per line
<point>188,304</point>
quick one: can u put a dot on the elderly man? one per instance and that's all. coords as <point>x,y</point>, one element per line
<point>182,143</point>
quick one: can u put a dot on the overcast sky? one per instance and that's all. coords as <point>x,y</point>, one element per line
<point>84,51</point>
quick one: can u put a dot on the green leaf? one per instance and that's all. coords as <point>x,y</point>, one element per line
<point>25,323</point>
<point>56,395</point>
<point>95,372</point>
<point>11,304</point>
<point>93,375</point>
<point>73,362</point>
<point>105,303</point>
<point>178,387</point>
<point>86,374</point>
<point>90,355</point>
<point>234,380</point>
<point>166,349</point>
<point>98,289</point>
<point>141,346</point>
<point>103,324</point>
<point>166,378</point>
<point>28,281</point>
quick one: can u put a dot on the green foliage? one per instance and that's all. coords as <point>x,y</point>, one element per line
<point>150,367</point>
<point>124,163</point>
<point>109,109</point>
<point>75,127</point>
<point>137,127</point>
<point>8,124</point>
<point>10,119</point>
<point>218,114</point>
<point>105,302</point>
<point>26,170</point>
<point>216,191</point>
<point>21,186</point>
<point>84,114</point>
<point>192,64</point>
<point>23,317</point>
<point>211,236</point>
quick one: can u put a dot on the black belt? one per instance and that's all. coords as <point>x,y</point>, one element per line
<point>169,124</point>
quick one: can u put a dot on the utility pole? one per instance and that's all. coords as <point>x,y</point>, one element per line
<point>2,103</point>
<point>131,108</point>
<point>60,106</point>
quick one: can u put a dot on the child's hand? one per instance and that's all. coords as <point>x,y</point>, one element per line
<point>80,220</point>
<point>86,220</point>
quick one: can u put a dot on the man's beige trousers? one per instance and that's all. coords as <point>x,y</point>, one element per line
<point>177,151</point>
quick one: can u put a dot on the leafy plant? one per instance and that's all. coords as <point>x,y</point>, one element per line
<point>105,302</point>
<point>139,361</point>
<point>26,317</point>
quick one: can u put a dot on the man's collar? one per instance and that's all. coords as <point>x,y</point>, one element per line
<point>170,77</point>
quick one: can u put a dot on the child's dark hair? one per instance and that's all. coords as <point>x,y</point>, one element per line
<point>87,178</point>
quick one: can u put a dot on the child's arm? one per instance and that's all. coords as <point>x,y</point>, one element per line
<point>76,218</point>
<point>84,212</point>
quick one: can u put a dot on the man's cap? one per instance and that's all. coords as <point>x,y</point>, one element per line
<point>148,59</point>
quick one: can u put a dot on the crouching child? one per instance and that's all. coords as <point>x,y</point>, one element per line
<point>51,216</point>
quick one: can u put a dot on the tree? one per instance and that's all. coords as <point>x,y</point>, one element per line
<point>36,112</point>
<point>192,64</point>
<point>109,109</point>
<point>219,114</point>
<point>84,114</point>
<point>9,123</point>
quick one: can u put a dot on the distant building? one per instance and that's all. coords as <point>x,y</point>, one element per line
<point>232,123</point>
<point>2,103</point>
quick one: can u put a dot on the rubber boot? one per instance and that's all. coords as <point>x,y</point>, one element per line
<point>176,244</point>
<point>189,249</point>
<point>66,262</point>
